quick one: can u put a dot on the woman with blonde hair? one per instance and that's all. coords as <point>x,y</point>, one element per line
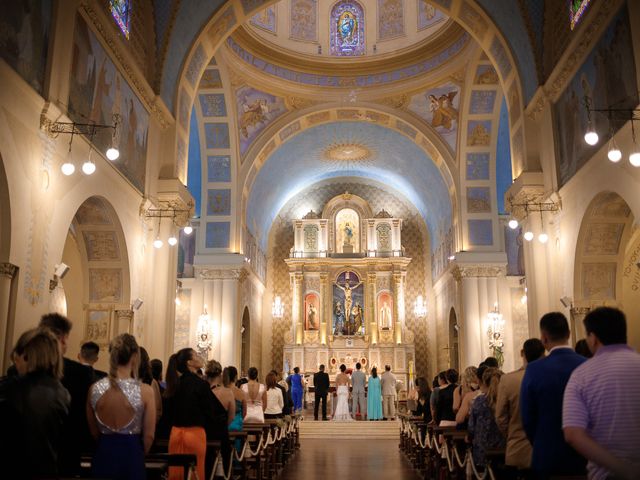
<point>33,407</point>
<point>468,384</point>
<point>483,428</point>
<point>121,411</point>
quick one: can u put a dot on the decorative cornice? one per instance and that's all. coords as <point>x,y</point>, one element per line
<point>124,314</point>
<point>8,270</point>
<point>220,273</point>
<point>473,271</point>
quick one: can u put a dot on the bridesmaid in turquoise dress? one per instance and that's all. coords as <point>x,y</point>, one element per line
<point>374,396</point>
<point>229,378</point>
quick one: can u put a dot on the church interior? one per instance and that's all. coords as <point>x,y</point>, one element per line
<point>297,183</point>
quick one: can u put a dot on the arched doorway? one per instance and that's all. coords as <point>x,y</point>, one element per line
<point>96,288</point>
<point>454,356</point>
<point>8,272</point>
<point>245,359</point>
<point>607,268</point>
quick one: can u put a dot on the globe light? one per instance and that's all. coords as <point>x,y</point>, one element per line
<point>187,230</point>
<point>634,159</point>
<point>178,302</point>
<point>591,137</point>
<point>172,241</point>
<point>614,154</point>
<point>157,243</point>
<point>113,153</point>
<point>528,236</point>
<point>513,224</point>
<point>543,238</point>
<point>88,167</point>
<point>68,168</point>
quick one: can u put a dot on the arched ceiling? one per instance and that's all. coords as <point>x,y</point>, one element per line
<point>190,18</point>
<point>348,149</point>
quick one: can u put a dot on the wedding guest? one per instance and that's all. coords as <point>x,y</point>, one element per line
<point>282,386</point>
<point>422,403</point>
<point>582,348</point>
<point>491,362</point>
<point>468,384</point>
<point>156,372</point>
<point>256,396</point>
<point>163,429</point>
<point>213,373</point>
<point>146,376</point>
<point>483,429</point>
<point>33,407</point>
<point>229,378</point>
<point>518,453</point>
<point>462,415</point>
<point>433,400</point>
<point>77,379</point>
<point>224,413</point>
<point>601,413</point>
<point>88,356</point>
<point>541,396</point>
<point>359,385</point>
<point>444,408</point>
<point>321,387</point>
<point>193,410</point>
<point>121,414</point>
<point>374,396</point>
<point>275,402</point>
<point>297,389</point>
<point>388,382</point>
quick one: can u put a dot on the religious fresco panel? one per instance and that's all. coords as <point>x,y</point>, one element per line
<point>347,29</point>
<point>105,285</point>
<point>440,108</point>
<point>212,105</point>
<point>98,91</point>
<point>500,56</point>
<point>480,232</point>
<point>478,200</point>
<point>217,235</point>
<point>477,166</point>
<point>428,15</point>
<point>608,77</point>
<point>25,28</point>
<point>265,19</point>
<point>482,101</point>
<point>599,281</point>
<point>216,135</point>
<point>304,20</point>
<point>101,246</point>
<point>219,202</point>
<point>210,79</point>
<point>256,110</point>
<point>390,19</point>
<point>348,305</point>
<point>195,65</point>
<point>183,109</point>
<point>311,312</point>
<point>479,133</point>
<point>485,75</point>
<point>219,168</point>
<point>98,326</point>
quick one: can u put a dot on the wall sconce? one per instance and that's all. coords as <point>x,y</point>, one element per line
<point>420,307</point>
<point>58,274</point>
<point>523,210</point>
<point>277,309</point>
<point>204,340</point>
<point>495,333</point>
<point>137,303</point>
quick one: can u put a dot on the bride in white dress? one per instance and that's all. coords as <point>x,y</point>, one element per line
<point>342,407</point>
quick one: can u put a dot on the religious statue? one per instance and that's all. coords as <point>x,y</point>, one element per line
<point>385,316</point>
<point>339,316</point>
<point>348,299</point>
<point>348,233</point>
<point>203,345</point>
<point>356,311</point>
<point>311,317</point>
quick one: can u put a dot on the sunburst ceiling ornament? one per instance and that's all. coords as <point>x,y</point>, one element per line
<point>347,152</point>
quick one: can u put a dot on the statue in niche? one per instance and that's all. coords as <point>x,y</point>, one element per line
<point>348,305</point>
<point>311,317</point>
<point>385,312</point>
<point>348,298</point>
<point>348,233</point>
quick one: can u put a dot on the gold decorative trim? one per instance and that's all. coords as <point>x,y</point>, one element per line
<point>474,271</point>
<point>8,270</point>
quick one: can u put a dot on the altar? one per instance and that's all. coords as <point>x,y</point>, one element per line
<point>347,277</point>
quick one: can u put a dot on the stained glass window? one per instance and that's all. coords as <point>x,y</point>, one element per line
<point>576,10</point>
<point>347,29</point>
<point>121,11</point>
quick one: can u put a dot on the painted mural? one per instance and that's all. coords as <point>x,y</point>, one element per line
<point>217,235</point>
<point>439,107</point>
<point>219,168</point>
<point>97,92</point>
<point>216,135</point>
<point>256,110</point>
<point>477,166</point>
<point>219,201</point>
<point>348,305</point>
<point>478,200</point>
<point>428,15</point>
<point>24,38</point>
<point>486,75</point>
<point>212,105</point>
<point>265,19</point>
<point>482,101</point>
<point>390,19</point>
<point>304,20</point>
<point>608,76</point>
<point>347,29</point>
<point>311,312</point>
<point>479,133</point>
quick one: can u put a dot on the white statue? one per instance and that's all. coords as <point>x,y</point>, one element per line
<point>385,316</point>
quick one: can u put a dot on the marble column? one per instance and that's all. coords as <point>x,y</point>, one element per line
<point>297,313</point>
<point>370,312</point>
<point>325,307</point>
<point>398,308</point>
<point>7,273</point>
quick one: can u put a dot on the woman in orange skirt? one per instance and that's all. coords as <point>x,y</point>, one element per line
<point>192,404</point>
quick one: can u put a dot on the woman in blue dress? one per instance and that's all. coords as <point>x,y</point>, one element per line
<point>374,396</point>
<point>229,378</point>
<point>297,389</point>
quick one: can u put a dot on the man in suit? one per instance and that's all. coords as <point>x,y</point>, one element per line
<point>518,454</point>
<point>77,379</point>
<point>286,401</point>
<point>88,356</point>
<point>541,396</point>
<point>321,388</point>
<point>358,383</point>
<point>388,382</point>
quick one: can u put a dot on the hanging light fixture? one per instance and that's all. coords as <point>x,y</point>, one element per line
<point>528,235</point>
<point>277,308</point>
<point>68,167</point>
<point>420,307</point>
<point>89,167</point>
<point>172,240</point>
<point>513,224</point>
<point>590,136</point>
<point>614,154</point>
<point>187,230</point>
<point>634,157</point>
<point>158,243</point>
<point>543,237</point>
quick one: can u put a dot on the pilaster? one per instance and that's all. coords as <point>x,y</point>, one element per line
<point>7,273</point>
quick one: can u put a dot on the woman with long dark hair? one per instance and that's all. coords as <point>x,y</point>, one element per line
<point>145,374</point>
<point>374,396</point>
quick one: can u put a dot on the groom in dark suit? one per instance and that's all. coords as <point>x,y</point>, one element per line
<point>321,386</point>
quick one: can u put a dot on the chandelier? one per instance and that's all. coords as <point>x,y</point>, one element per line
<point>420,307</point>
<point>277,308</point>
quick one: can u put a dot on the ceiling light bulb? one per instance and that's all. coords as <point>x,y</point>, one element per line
<point>187,230</point>
<point>634,159</point>
<point>113,153</point>
<point>88,167</point>
<point>591,137</point>
<point>157,243</point>
<point>523,299</point>
<point>614,154</point>
<point>68,168</point>
<point>178,301</point>
<point>513,224</point>
<point>543,238</point>
<point>528,236</point>
<point>172,240</point>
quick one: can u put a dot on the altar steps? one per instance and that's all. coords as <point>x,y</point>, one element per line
<point>347,430</point>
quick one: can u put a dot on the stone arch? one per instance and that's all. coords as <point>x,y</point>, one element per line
<point>96,290</point>
<point>245,355</point>
<point>5,215</point>
<point>454,340</point>
<point>604,263</point>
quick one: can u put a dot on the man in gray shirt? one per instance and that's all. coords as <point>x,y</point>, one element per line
<point>358,381</point>
<point>388,382</point>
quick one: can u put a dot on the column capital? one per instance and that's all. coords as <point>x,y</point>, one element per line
<point>220,273</point>
<point>124,314</point>
<point>8,270</point>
